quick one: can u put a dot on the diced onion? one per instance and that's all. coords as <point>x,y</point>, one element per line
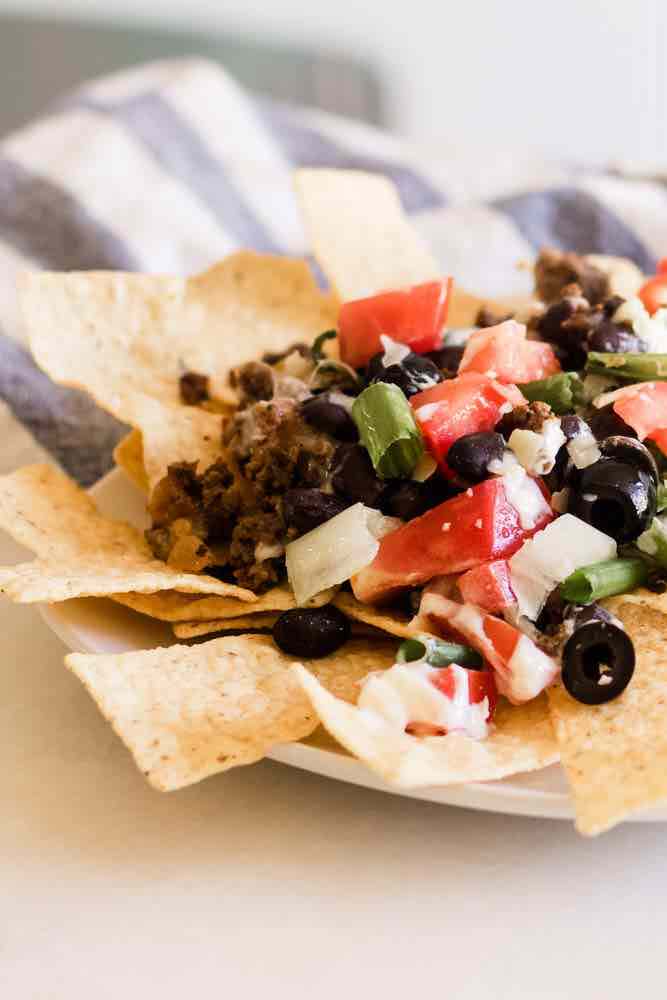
<point>336,550</point>
<point>550,556</point>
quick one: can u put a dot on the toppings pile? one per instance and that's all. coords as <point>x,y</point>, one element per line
<point>498,481</point>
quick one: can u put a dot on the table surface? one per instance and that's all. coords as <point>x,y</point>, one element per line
<point>269,881</point>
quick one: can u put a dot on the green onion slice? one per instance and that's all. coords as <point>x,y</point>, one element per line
<point>629,367</point>
<point>653,541</point>
<point>604,579</point>
<point>388,430</point>
<point>317,350</point>
<point>562,392</point>
<point>437,652</point>
<point>662,496</point>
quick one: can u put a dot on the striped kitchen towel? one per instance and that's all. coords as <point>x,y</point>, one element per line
<point>169,167</point>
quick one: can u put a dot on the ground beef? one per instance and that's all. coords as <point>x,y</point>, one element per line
<point>257,530</point>
<point>486,317</point>
<point>526,417</point>
<point>254,382</point>
<point>194,388</point>
<point>178,495</point>
<point>231,517</point>
<point>554,270</point>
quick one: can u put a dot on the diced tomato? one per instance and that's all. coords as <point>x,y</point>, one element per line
<point>488,586</point>
<point>463,405</point>
<point>413,316</point>
<point>503,353</point>
<point>481,685</point>
<point>654,292</point>
<point>522,669</point>
<point>475,527</point>
<point>644,408</point>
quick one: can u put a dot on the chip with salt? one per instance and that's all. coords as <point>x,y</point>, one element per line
<point>79,552</point>
<point>522,740</point>
<point>187,712</point>
<point>177,607</point>
<point>615,755</point>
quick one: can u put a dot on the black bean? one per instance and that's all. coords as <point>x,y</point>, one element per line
<point>354,476</point>
<point>414,373</point>
<point>330,417</point>
<point>447,358</point>
<point>409,499</point>
<point>612,339</point>
<point>469,457</point>
<point>307,509</point>
<point>311,632</point>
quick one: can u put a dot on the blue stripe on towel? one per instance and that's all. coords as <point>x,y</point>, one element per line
<point>571,219</point>
<point>66,422</point>
<point>306,147</point>
<point>45,222</point>
<point>180,151</point>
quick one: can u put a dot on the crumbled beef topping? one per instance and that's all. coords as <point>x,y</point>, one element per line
<point>235,518</point>
<point>194,388</point>
<point>554,270</point>
<point>254,382</point>
<point>525,417</point>
<point>486,317</point>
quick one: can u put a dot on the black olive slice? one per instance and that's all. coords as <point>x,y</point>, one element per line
<point>598,662</point>
<point>632,451</point>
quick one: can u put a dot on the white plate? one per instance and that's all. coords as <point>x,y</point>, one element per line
<point>96,625</point>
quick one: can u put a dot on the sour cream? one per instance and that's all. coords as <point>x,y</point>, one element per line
<point>406,693</point>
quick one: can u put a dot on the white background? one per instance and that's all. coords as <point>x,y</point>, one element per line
<point>585,79</point>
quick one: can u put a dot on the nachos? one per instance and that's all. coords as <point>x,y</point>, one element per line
<point>429,522</point>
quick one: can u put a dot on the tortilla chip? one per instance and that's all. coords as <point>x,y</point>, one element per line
<point>129,456</point>
<point>263,621</point>
<point>127,338</point>
<point>79,552</point>
<point>643,598</point>
<point>174,434</point>
<point>384,619</point>
<point>359,233</point>
<point>178,607</point>
<point>365,243</point>
<point>187,712</point>
<point>117,334</point>
<point>522,740</point>
<point>615,755</point>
